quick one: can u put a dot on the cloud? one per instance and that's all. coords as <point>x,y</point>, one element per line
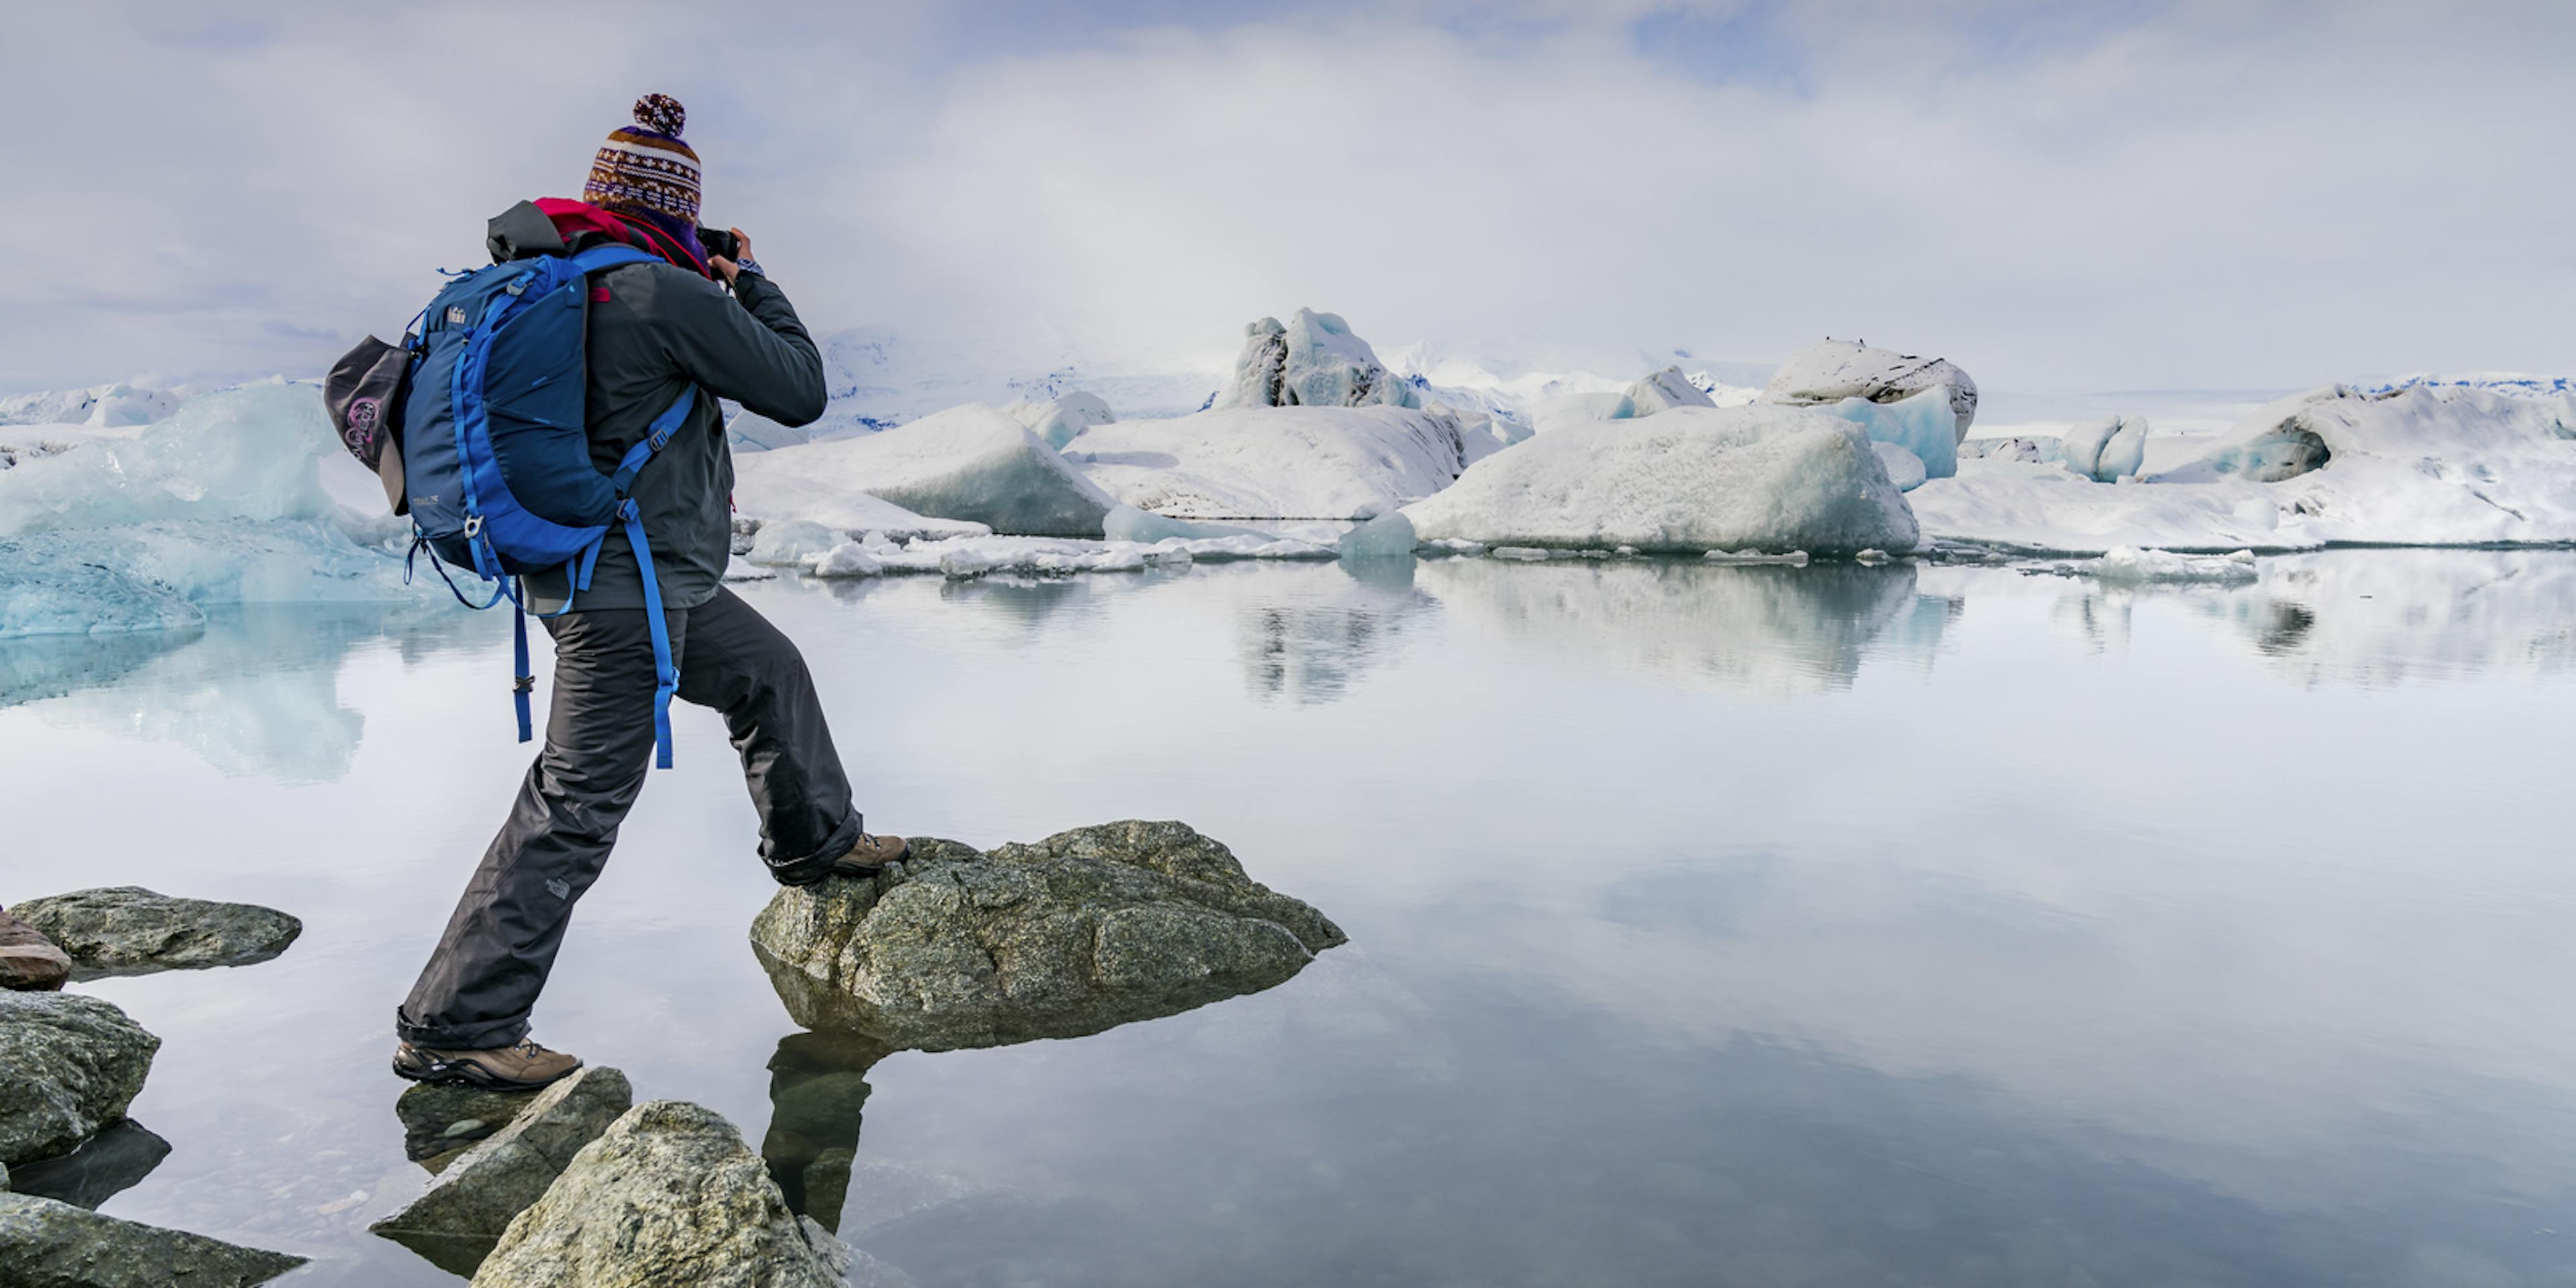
<point>2140,196</point>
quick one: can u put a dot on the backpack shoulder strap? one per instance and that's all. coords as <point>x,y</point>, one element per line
<point>609,256</point>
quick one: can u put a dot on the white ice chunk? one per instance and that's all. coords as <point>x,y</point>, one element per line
<point>2107,450</point>
<point>1904,468</point>
<point>1059,421</point>
<point>2129,564</point>
<point>100,406</point>
<point>790,543</point>
<point>1665,389</point>
<point>2026,450</point>
<point>973,464</point>
<point>737,569</point>
<point>1833,370</point>
<point>1313,361</point>
<point>1920,424</point>
<point>1275,462</point>
<point>50,588</point>
<point>1388,536</point>
<point>1690,479</point>
<point>848,559</point>
<point>243,453</point>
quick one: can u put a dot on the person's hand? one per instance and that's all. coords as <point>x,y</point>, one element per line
<point>728,268</point>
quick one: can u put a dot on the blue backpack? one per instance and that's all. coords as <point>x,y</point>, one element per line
<point>496,456</point>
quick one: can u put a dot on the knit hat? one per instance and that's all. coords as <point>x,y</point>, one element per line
<point>645,167</point>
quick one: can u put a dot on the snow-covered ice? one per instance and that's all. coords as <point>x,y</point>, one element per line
<point>100,406</point>
<point>1690,479</point>
<point>2429,463</point>
<point>2106,450</point>
<point>1832,370</point>
<point>1313,361</point>
<point>972,464</point>
<point>1274,462</point>
<point>1904,468</point>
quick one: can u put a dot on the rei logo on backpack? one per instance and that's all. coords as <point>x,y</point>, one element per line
<point>490,450</point>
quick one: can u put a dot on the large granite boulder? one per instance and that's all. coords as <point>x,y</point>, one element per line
<point>669,1197</point>
<point>456,1221</point>
<point>45,1244</point>
<point>69,1065</point>
<point>128,930</point>
<point>1077,933</point>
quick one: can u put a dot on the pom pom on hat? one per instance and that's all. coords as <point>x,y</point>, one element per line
<point>661,114</point>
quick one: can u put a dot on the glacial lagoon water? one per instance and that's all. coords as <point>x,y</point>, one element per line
<point>1764,926</point>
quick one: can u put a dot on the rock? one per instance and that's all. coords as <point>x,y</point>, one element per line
<point>104,1166</point>
<point>69,1065</point>
<point>57,1245</point>
<point>1081,932</point>
<point>1833,370</point>
<point>128,930</point>
<point>29,962</point>
<point>456,1221</point>
<point>434,1115</point>
<point>668,1197</point>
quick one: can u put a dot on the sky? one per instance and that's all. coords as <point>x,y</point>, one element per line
<point>2060,197</point>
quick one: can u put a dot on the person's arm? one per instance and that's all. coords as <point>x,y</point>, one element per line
<point>748,347</point>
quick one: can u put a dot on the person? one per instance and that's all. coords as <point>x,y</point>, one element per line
<point>653,330</point>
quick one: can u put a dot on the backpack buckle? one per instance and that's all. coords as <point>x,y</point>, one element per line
<point>473,526</point>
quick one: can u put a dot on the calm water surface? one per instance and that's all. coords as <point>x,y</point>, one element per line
<point>1709,926</point>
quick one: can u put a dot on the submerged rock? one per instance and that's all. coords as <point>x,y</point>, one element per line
<point>57,1245</point>
<point>668,1196</point>
<point>104,1166</point>
<point>128,930</point>
<point>29,962</point>
<point>69,1065</point>
<point>1077,933</point>
<point>456,1221</point>
<point>442,1118</point>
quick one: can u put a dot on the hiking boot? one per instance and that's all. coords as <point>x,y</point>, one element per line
<point>870,855</point>
<point>522,1067</point>
<point>29,962</point>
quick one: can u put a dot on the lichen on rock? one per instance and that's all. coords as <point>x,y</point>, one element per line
<point>128,930</point>
<point>1078,933</point>
<point>69,1065</point>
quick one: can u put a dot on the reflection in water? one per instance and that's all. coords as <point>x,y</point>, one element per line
<point>1305,639</point>
<point>817,1091</point>
<point>105,1165</point>
<point>1772,629</point>
<point>255,694</point>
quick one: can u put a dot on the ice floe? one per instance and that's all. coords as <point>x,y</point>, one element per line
<point>1057,421</point>
<point>100,406</point>
<point>1274,462</point>
<point>1690,479</point>
<point>2128,564</point>
<point>2105,450</point>
<point>973,464</point>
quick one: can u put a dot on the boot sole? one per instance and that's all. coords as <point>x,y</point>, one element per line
<point>470,1074</point>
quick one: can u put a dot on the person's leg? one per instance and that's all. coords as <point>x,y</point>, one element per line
<point>747,669</point>
<point>480,984</point>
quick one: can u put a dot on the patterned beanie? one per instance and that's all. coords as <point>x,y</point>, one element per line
<point>645,167</point>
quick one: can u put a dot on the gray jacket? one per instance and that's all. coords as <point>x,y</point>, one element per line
<point>659,330</point>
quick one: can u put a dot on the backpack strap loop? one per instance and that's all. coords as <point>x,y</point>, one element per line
<point>656,435</point>
<point>522,680</point>
<point>666,676</point>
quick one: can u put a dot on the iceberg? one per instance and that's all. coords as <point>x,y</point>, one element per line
<point>2026,450</point>
<point>972,464</point>
<point>1313,361</point>
<point>2431,462</point>
<point>2106,450</point>
<point>1388,536</point>
<point>1269,463</point>
<point>1920,423</point>
<point>1832,370</point>
<point>2129,564</point>
<point>1904,468</point>
<point>100,406</point>
<point>1691,479</point>
<point>1058,422</point>
<point>1127,523</point>
<point>1665,389</point>
<point>222,503</point>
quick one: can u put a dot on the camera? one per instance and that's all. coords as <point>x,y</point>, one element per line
<point>720,243</point>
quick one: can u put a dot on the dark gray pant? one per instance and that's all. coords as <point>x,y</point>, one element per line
<point>492,961</point>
